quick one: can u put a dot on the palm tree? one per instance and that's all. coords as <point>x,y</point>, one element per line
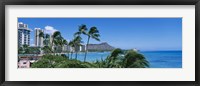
<point>113,60</point>
<point>82,30</point>
<point>57,44</point>
<point>56,35</point>
<point>61,42</point>
<point>114,56</point>
<point>77,43</point>
<point>41,34</point>
<point>71,44</point>
<point>20,50</point>
<point>92,33</point>
<point>47,49</point>
<point>64,42</point>
<point>135,59</point>
<point>46,39</point>
<point>26,48</point>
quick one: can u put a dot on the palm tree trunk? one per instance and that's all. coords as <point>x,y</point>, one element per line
<point>86,48</point>
<point>61,49</point>
<point>68,53</point>
<point>52,46</point>
<point>76,55</point>
<point>75,49</point>
<point>71,54</point>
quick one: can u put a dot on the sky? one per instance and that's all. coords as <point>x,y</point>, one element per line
<point>125,33</point>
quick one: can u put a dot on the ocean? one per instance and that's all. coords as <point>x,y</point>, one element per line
<point>157,59</point>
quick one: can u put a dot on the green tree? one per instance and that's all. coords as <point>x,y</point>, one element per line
<point>72,45</point>
<point>41,34</point>
<point>20,50</point>
<point>46,40</point>
<point>34,50</point>
<point>114,60</point>
<point>26,49</point>
<point>94,34</point>
<point>49,61</point>
<point>47,49</point>
<point>77,43</point>
<point>82,30</point>
<point>64,43</point>
<point>53,61</point>
<point>123,59</point>
<point>56,35</point>
<point>135,60</point>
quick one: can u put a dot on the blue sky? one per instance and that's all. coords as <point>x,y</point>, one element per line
<point>125,33</point>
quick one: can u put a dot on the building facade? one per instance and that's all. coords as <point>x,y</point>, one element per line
<point>81,48</point>
<point>23,34</point>
<point>38,39</point>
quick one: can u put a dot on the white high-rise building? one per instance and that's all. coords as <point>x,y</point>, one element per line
<point>38,39</point>
<point>23,34</point>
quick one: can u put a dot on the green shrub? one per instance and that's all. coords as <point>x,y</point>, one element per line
<point>117,59</point>
<point>56,61</point>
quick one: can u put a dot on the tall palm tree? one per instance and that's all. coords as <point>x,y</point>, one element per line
<point>62,42</point>
<point>94,34</point>
<point>58,44</point>
<point>45,36</point>
<point>65,43</point>
<point>77,43</point>
<point>46,39</point>
<point>82,30</point>
<point>71,44</point>
<point>56,35</point>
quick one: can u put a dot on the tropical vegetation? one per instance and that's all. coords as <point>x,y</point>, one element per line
<point>25,49</point>
<point>117,59</point>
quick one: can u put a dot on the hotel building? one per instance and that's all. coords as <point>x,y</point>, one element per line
<point>38,39</point>
<point>23,34</point>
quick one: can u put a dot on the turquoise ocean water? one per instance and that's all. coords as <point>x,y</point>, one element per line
<point>157,59</point>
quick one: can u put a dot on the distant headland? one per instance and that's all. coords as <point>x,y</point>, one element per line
<point>104,46</point>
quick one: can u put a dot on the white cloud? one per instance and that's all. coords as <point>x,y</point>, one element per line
<point>31,30</point>
<point>49,29</point>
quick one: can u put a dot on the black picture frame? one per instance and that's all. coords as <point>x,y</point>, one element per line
<point>99,2</point>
